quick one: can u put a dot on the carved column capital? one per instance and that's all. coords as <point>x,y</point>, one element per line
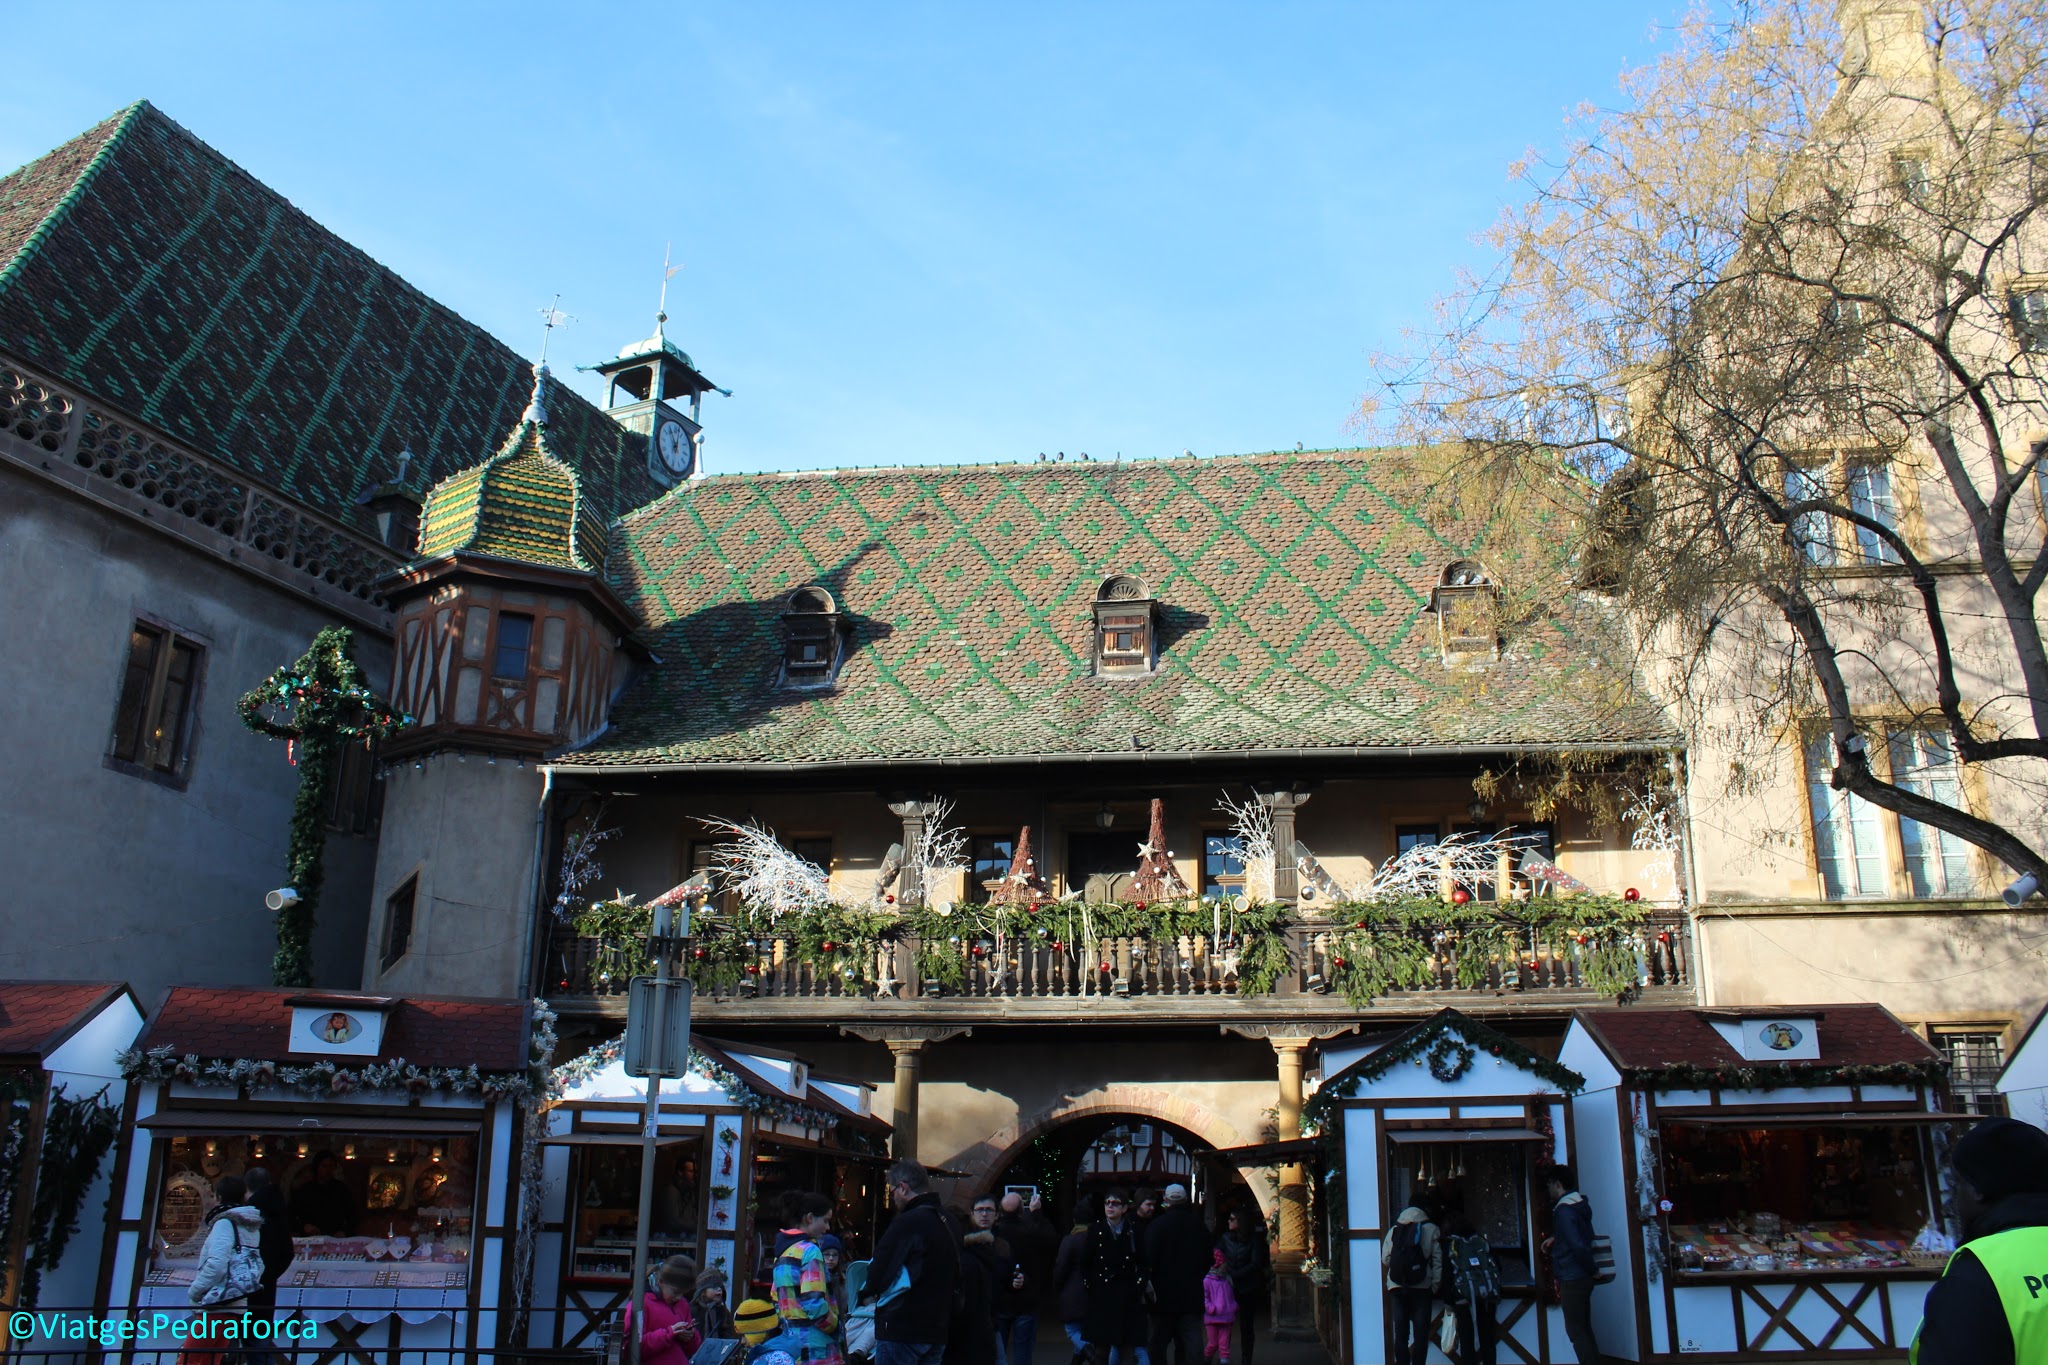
<point>1298,1034</point>
<point>906,1037</point>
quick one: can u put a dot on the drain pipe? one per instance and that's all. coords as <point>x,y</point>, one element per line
<point>539,886</point>
<point>1681,780</point>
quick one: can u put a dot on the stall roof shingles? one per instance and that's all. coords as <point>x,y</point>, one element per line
<point>167,282</point>
<point>1850,1035</point>
<point>1294,591</point>
<point>235,1023</point>
<point>37,1016</point>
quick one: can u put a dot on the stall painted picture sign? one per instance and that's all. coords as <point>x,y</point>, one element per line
<point>336,1031</point>
<point>1780,1040</point>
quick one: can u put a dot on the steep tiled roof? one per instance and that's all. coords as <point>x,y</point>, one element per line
<point>522,504</point>
<point>1850,1035</point>
<point>142,265</point>
<point>37,1016</point>
<point>1294,593</point>
<point>233,1022</point>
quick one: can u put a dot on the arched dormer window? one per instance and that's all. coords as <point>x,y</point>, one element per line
<point>812,635</point>
<point>1467,606</point>
<point>1126,633</point>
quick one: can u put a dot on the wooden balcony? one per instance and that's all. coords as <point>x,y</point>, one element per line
<point>1192,977</point>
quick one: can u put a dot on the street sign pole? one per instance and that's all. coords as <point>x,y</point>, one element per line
<point>666,931</point>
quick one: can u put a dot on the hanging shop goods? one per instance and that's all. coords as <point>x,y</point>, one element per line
<point>392,1126</point>
<point>1779,1178</point>
<point>1451,1114</point>
<point>318,704</point>
<point>59,1115</point>
<point>744,1125</point>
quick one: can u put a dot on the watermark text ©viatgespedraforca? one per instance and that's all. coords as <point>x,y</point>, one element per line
<point>113,1331</point>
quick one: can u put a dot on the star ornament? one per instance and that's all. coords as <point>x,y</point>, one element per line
<point>1148,849</point>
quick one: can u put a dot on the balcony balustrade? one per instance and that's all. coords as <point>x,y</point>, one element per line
<point>1186,967</point>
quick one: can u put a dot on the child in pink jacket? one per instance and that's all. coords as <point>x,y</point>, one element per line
<point>1219,1311</point>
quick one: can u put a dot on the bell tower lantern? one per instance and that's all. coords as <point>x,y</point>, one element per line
<point>654,389</point>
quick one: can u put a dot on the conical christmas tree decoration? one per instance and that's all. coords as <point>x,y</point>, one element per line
<point>1021,884</point>
<point>1158,879</point>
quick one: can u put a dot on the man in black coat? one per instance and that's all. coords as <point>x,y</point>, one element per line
<point>912,1274</point>
<point>274,1241</point>
<point>1116,1283</point>
<point>1178,1253</point>
<point>2001,1168</point>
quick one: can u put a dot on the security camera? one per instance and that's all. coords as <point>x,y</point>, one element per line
<point>2021,891</point>
<point>284,898</point>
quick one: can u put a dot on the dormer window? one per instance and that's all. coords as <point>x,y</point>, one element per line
<point>812,633</point>
<point>1125,634</point>
<point>2029,308</point>
<point>1467,606</point>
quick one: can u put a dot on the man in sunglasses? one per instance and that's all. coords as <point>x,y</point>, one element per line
<point>1115,1279</point>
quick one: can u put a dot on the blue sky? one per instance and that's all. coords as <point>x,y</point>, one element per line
<point>911,233</point>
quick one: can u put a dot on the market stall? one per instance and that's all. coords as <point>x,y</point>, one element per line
<point>744,1125</point>
<point>1455,1113</point>
<point>1771,1182</point>
<point>2024,1081</point>
<point>60,1103</point>
<point>392,1126</point>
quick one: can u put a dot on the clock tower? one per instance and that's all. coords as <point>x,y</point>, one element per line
<point>653,388</point>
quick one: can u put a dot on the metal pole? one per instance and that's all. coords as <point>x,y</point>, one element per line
<point>650,1126</point>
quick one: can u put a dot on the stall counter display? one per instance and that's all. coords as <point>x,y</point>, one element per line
<point>410,1232</point>
<point>608,1210</point>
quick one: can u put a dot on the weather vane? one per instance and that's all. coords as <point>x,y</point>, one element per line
<point>551,317</point>
<point>668,272</point>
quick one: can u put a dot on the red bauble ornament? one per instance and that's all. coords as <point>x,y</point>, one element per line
<point>753,969</point>
<point>1663,936</point>
<point>890,898</point>
<point>976,950</point>
<point>1141,905</point>
<point>1105,966</point>
<point>826,945</point>
<point>698,954</point>
<point>1581,940</point>
<point>1459,895</point>
<point>1359,925</point>
<point>1631,894</point>
<point>1339,961</point>
<point>1056,945</point>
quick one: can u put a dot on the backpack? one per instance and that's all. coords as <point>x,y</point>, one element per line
<point>1407,1266</point>
<point>1477,1278</point>
<point>244,1275</point>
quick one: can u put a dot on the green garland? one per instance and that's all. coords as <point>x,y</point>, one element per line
<point>1418,1044</point>
<point>316,704</point>
<point>1448,1059</point>
<point>1781,1075</point>
<point>738,1092</point>
<point>1374,948</point>
<point>17,1092</point>
<point>76,1136</point>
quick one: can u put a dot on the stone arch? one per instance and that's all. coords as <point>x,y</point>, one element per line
<point>980,1164</point>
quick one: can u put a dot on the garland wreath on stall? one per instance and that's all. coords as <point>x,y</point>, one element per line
<point>77,1132</point>
<point>316,705</point>
<point>1780,1075</point>
<point>738,1092</point>
<point>1419,1044</point>
<point>1449,1059</point>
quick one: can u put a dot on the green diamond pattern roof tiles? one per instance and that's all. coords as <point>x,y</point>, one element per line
<point>1294,597</point>
<point>142,265</point>
<point>521,504</point>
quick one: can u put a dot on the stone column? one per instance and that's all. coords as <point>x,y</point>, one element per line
<point>913,811</point>
<point>906,1043</point>
<point>1281,806</point>
<point>1294,1316</point>
<point>903,1098</point>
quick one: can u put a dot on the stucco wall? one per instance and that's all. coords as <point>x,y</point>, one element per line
<point>116,877</point>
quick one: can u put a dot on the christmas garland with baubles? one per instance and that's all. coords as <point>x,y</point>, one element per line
<point>1427,918</point>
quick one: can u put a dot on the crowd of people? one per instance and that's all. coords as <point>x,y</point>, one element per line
<point>1148,1279</point>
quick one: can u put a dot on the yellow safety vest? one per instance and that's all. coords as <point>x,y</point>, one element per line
<point>2017,1261</point>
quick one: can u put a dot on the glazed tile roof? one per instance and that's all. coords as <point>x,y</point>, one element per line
<point>142,265</point>
<point>1850,1035</point>
<point>1294,593</point>
<point>522,504</point>
<point>37,1016</point>
<point>236,1022</point>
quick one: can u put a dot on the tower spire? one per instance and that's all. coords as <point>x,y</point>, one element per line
<point>537,406</point>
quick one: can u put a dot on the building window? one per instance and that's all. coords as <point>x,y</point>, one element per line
<point>1812,532</point>
<point>1974,1060</point>
<point>1937,862</point>
<point>1124,617</point>
<point>1222,869</point>
<point>816,852</point>
<point>356,805</point>
<point>1848,840</point>
<point>1870,495</point>
<point>811,634</point>
<point>515,646</point>
<point>1841,327</point>
<point>2030,318</point>
<point>398,907</point>
<point>1416,836</point>
<point>1909,173</point>
<point>988,860</point>
<point>1467,607</point>
<point>1539,841</point>
<point>153,723</point>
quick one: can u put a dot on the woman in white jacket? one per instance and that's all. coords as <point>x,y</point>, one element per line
<point>235,1224</point>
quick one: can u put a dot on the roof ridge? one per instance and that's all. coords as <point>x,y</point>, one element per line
<point>61,210</point>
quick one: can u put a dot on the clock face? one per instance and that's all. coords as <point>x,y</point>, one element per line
<point>673,446</point>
